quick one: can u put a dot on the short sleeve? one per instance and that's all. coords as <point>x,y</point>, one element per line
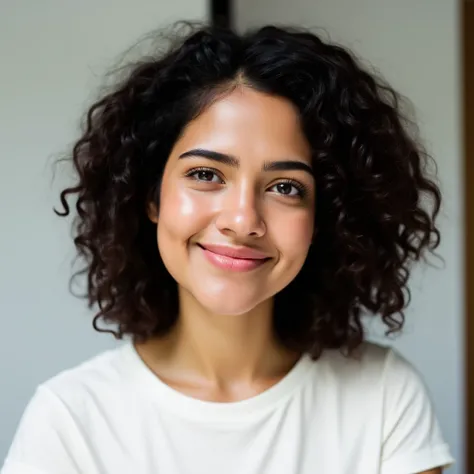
<point>412,439</point>
<point>47,440</point>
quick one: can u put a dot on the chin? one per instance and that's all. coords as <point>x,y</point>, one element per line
<point>230,310</point>
<point>231,303</point>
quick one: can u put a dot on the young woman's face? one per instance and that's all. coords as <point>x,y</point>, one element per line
<point>236,214</point>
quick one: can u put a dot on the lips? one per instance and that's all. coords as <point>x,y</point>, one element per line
<point>240,259</point>
<point>235,252</point>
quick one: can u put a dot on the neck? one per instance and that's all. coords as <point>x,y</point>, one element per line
<point>224,349</point>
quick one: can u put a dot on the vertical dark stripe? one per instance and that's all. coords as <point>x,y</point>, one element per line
<point>468,105</point>
<point>221,13</point>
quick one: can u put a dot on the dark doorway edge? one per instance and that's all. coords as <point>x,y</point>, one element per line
<point>221,13</point>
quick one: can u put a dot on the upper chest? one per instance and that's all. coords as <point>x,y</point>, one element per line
<point>337,431</point>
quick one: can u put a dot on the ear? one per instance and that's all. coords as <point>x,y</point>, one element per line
<point>152,212</point>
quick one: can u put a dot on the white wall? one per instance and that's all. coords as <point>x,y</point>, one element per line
<point>53,53</point>
<point>415,44</point>
<point>416,47</point>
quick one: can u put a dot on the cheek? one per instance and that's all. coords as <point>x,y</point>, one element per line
<point>176,202</point>
<point>182,213</point>
<point>293,236</point>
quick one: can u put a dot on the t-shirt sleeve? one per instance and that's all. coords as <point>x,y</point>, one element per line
<point>47,440</point>
<point>412,439</point>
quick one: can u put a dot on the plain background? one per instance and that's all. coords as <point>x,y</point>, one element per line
<point>416,46</point>
<point>54,53</point>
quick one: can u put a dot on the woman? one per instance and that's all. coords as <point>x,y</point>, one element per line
<point>242,202</point>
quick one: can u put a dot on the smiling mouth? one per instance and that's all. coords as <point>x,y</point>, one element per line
<point>234,259</point>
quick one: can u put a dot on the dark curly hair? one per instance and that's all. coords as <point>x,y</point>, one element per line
<point>376,205</point>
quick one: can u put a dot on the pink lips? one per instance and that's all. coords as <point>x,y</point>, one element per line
<point>236,259</point>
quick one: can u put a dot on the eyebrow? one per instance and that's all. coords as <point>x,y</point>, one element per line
<point>229,160</point>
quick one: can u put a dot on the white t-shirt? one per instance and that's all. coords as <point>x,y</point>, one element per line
<point>112,415</point>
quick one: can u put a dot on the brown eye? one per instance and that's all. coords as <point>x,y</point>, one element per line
<point>285,188</point>
<point>204,175</point>
<point>288,188</point>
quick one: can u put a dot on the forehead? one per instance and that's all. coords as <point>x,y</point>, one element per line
<point>248,123</point>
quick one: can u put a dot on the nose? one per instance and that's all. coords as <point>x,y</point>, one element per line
<point>240,215</point>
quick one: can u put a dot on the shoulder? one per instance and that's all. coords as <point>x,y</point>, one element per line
<point>65,409</point>
<point>373,372</point>
<point>98,376</point>
<point>58,421</point>
<point>369,363</point>
<point>378,387</point>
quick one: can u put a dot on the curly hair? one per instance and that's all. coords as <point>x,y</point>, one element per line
<point>376,205</point>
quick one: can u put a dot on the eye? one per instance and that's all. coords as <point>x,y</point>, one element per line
<point>205,175</point>
<point>288,188</point>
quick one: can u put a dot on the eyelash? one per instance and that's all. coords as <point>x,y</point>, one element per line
<point>301,188</point>
<point>194,171</point>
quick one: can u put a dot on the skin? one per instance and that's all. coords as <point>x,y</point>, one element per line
<point>223,347</point>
